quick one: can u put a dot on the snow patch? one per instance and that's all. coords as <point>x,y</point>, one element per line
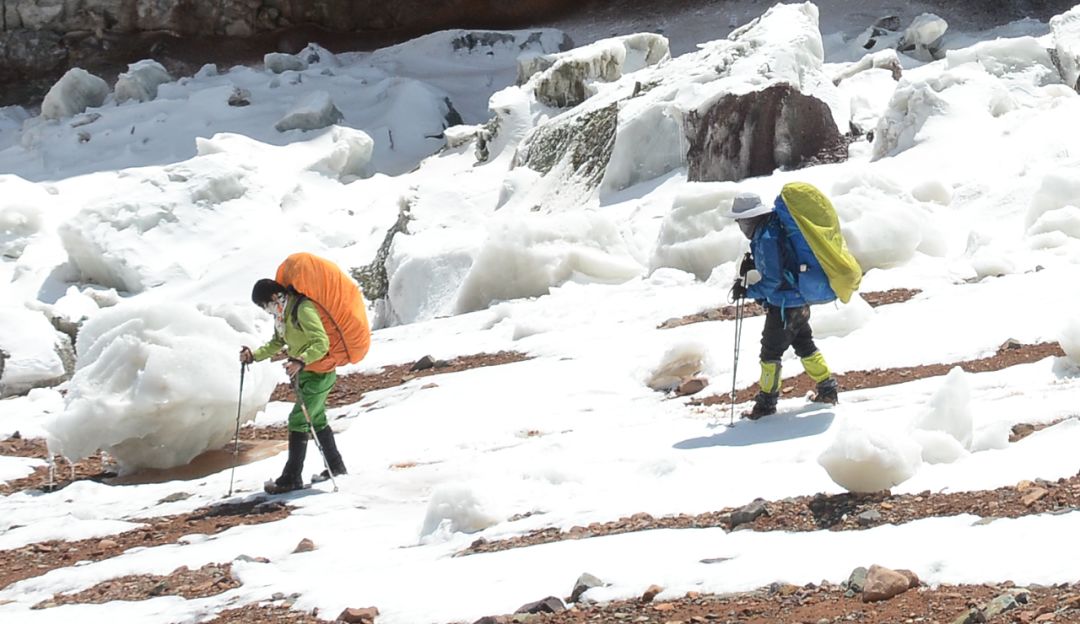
<point>840,319</point>
<point>861,460</point>
<point>312,112</point>
<point>1070,339</point>
<point>140,82</point>
<point>695,236</point>
<point>454,509</point>
<point>76,91</point>
<point>527,255</point>
<point>30,351</point>
<point>950,409</point>
<point>1066,35</point>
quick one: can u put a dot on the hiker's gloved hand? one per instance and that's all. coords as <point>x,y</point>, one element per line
<point>293,367</point>
<point>746,265</point>
<point>753,276</point>
<point>738,290</point>
<point>246,356</point>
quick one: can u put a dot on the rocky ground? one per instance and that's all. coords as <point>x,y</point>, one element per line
<point>815,603</point>
<point>1011,353</point>
<point>40,557</point>
<point>208,580</point>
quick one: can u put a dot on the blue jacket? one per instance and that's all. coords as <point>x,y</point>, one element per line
<point>790,274</point>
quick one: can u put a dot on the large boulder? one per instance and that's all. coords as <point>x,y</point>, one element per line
<point>765,82</point>
<point>752,134</point>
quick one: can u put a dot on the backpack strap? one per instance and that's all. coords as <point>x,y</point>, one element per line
<point>300,298</point>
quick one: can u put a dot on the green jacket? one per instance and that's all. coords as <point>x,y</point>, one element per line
<point>305,337</point>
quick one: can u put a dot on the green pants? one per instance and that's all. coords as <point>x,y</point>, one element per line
<point>314,388</point>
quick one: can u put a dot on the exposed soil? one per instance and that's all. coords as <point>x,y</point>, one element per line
<point>1009,354</point>
<point>97,468</point>
<point>826,603</point>
<point>38,558</point>
<point>209,580</point>
<point>351,388</point>
<point>750,308</point>
<point>839,512</point>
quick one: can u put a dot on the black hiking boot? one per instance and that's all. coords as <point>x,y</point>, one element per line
<point>292,475</point>
<point>333,456</point>
<point>827,392</point>
<point>764,405</point>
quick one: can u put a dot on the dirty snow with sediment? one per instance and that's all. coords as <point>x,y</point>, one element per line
<point>172,207</point>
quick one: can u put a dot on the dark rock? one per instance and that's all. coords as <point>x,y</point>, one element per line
<point>971,616</point>
<point>240,97</point>
<point>28,53</point>
<point>372,278</point>
<point>869,517</point>
<point>423,363</point>
<point>584,583</point>
<point>651,593</point>
<point>585,140</point>
<point>748,513</point>
<point>856,581</point>
<point>999,605</point>
<point>742,136</point>
<point>551,604</point>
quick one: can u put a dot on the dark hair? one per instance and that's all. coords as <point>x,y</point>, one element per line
<point>264,290</point>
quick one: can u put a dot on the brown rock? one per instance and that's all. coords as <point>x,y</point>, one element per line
<point>664,606</point>
<point>107,544</point>
<point>913,579</point>
<point>651,593</point>
<point>1024,485</point>
<point>691,386</point>
<point>1033,496</point>
<point>358,616</point>
<point>305,545</point>
<point>883,583</point>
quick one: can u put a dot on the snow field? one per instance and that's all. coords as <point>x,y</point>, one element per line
<point>966,192</point>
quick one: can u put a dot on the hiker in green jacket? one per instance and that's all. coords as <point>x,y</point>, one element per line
<point>300,332</point>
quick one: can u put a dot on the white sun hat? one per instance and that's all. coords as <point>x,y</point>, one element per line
<point>746,205</point>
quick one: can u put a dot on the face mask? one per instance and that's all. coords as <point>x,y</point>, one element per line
<point>276,306</point>
<point>748,226</point>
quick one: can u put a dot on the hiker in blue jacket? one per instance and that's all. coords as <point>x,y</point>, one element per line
<point>771,276</point>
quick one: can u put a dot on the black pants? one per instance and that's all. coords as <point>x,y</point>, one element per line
<point>792,330</point>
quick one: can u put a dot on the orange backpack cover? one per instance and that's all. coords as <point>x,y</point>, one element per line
<point>340,305</point>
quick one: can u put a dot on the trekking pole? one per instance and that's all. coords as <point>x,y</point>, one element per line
<point>311,427</point>
<point>236,436</point>
<point>735,366</point>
